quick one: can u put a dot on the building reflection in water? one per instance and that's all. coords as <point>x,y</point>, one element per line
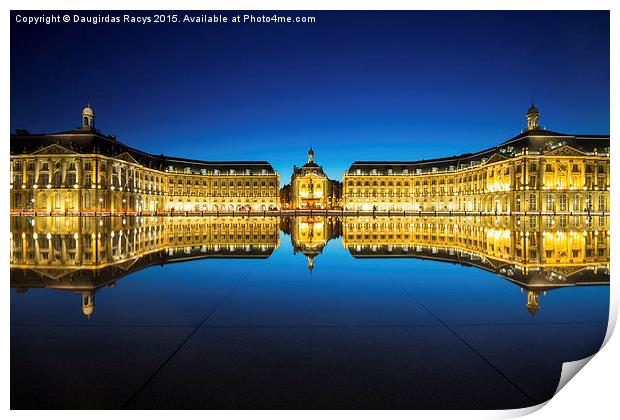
<point>84,254</point>
<point>309,235</point>
<point>538,253</point>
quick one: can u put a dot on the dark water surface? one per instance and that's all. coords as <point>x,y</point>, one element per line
<point>255,312</point>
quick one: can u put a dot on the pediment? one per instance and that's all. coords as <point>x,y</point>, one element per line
<point>566,271</point>
<point>54,149</point>
<point>127,157</point>
<point>496,157</point>
<point>54,274</point>
<point>564,151</point>
<point>308,174</point>
<point>127,264</point>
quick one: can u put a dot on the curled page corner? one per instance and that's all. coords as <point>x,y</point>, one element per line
<point>570,369</point>
<point>520,412</point>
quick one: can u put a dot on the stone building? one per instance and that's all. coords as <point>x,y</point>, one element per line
<point>310,187</point>
<point>536,171</point>
<point>83,170</point>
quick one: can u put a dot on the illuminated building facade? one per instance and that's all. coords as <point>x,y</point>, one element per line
<point>85,170</point>
<point>310,188</point>
<point>536,171</point>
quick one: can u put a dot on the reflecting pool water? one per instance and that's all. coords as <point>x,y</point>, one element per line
<point>306,312</point>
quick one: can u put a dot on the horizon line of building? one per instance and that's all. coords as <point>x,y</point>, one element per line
<point>83,170</point>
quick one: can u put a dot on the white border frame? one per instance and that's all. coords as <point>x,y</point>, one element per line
<point>592,394</point>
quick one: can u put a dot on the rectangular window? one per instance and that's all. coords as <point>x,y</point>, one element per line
<point>549,203</point>
<point>601,203</point>
<point>549,254</point>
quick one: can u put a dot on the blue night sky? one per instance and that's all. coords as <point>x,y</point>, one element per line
<point>354,85</point>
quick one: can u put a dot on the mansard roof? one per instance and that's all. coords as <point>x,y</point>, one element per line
<point>308,168</point>
<point>83,279</point>
<point>91,141</point>
<point>537,141</point>
<point>543,278</point>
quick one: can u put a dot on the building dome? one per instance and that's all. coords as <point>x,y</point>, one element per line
<point>533,302</point>
<point>310,262</point>
<point>88,304</point>
<point>87,311</point>
<point>532,118</point>
<point>88,118</point>
<point>88,111</point>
